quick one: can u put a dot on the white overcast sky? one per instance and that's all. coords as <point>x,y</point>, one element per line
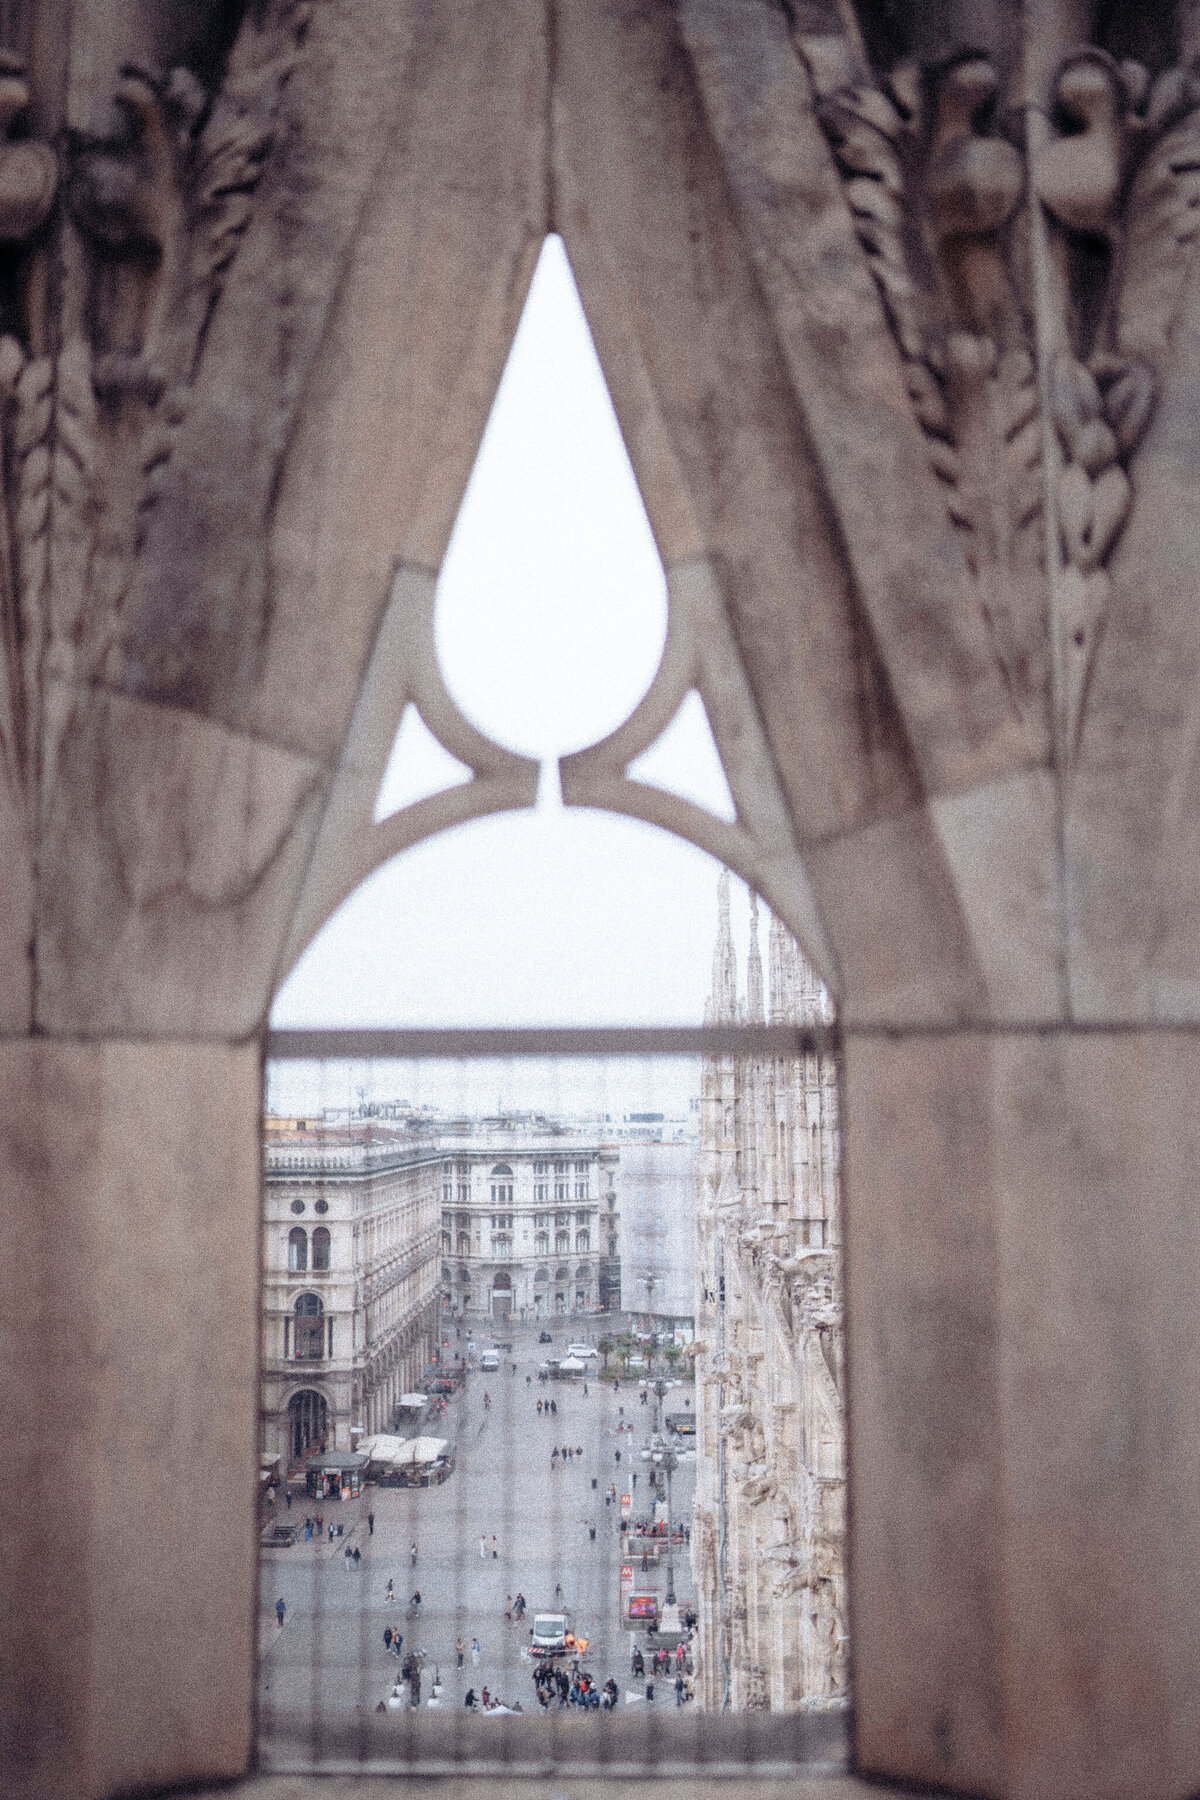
<point>551,617</point>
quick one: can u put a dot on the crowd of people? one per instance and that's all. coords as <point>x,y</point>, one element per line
<point>557,1687</point>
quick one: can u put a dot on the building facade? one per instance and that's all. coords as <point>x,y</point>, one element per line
<point>350,1278</point>
<point>530,1225</point>
<point>768,1544</point>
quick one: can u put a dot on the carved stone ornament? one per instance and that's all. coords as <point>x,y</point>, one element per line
<point>984,240</point>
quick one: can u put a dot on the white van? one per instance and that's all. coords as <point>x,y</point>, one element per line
<point>583,1351</point>
<point>489,1361</point>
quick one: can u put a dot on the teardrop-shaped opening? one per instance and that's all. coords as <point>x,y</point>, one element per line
<point>552,601</point>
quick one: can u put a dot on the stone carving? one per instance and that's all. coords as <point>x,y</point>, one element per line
<point>933,188</point>
<point>159,211</point>
<point>1116,181</point>
<point>28,180</point>
<point>976,265</point>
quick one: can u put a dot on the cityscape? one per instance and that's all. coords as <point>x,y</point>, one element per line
<point>553,1401</point>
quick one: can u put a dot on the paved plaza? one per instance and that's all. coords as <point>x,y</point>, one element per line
<point>329,1658</point>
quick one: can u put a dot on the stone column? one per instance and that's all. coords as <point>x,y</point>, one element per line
<point>1024,1260</point>
<point>129,1320</point>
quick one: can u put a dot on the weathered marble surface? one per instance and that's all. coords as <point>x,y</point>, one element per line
<point>129,1327</point>
<point>1024,1253</point>
<point>939,460</point>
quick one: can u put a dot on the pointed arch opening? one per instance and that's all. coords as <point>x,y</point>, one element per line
<point>541,1247</point>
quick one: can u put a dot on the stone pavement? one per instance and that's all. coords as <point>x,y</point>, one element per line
<point>329,1660</point>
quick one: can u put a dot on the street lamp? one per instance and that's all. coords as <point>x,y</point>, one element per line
<point>663,1456</point>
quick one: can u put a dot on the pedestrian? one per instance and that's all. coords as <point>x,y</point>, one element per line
<point>280,1609</point>
<point>592,1533</point>
<point>476,1653</point>
<point>539,1407</point>
<point>633,1483</point>
<point>357,1556</point>
<point>495,1552</point>
<point>482,1545</point>
<point>349,1555</point>
<point>287,1498</point>
<point>370,1524</point>
<point>487,1399</point>
<point>679,1690</point>
<point>508,1609</point>
<point>585,1390</point>
<point>528,1380</point>
<point>593,1482</point>
<point>469,1699</point>
<point>650,1690</point>
<point>387,1637</point>
<point>617,1454</point>
<point>607,1498</point>
<point>579,1451</point>
<point>390,1596</point>
<point>412,1556</point>
<point>331,1531</point>
<point>459,1650</point>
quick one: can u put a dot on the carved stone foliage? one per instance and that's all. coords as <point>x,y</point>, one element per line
<point>935,190</point>
<point>1018,266</point>
<point>28,181</point>
<point>155,214</point>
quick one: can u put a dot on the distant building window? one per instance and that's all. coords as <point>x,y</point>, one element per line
<point>464,1244</point>
<point>297,1206</point>
<point>309,1328</point>
<point>542,1243</point>
<point>581,1168</point>
<point>321,1206</point>
<point>562,1242</point>
<point>562,1218</point>
<point>541,1168</point>
<point>541,1190</point>
<point>583,1240</point>
<point>612,1246</point>
<point>297,1249</point>
<point>322,1248</point>
<point>581,1190</point>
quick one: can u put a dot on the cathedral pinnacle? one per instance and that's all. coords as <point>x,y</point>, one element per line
<point>724,1000</point>
<point>754,969</point>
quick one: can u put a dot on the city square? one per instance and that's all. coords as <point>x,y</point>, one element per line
<point>328,1658</point>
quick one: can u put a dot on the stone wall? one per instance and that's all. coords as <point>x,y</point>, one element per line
<point>899,312</point>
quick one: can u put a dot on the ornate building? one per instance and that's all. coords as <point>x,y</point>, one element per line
<point>350,1278</point>
<point>769,1536</point>
<point>530,1225</point>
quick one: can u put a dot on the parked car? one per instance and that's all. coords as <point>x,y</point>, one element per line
<point>584,1351</point>
<point>489,1361</point>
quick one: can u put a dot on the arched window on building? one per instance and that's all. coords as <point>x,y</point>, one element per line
<point>321,1247</point>
<point>308,1422</point>
<point>297,1250</point>
<point>464,1243</point>
<point>583,1240</point>
<point>309,1329</point>
<point>542,1243</point>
